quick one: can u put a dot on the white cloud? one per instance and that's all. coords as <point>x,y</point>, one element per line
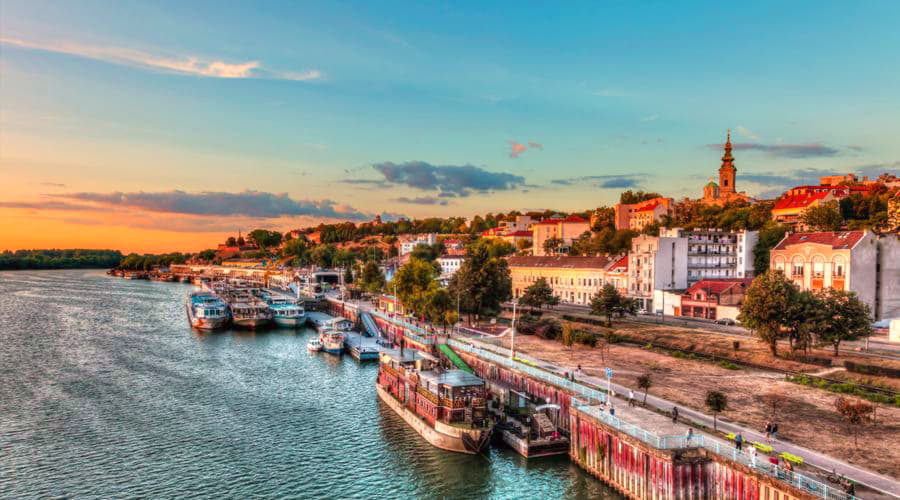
<point>181,64</point>
<point>746,133</point>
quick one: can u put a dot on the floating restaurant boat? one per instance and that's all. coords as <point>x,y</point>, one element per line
<point>206,311</point>
<point>285,310</point>
<point>314,345</point>
<point>332,341</point>
<point>446,407</point>
<point>247,309</point>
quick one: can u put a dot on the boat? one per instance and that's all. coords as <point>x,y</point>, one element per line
<point>313,345</point>
<point>332,341</point>
<point>247,309</point>
<point>206,311</point>
<point>446,407</point>
<point>285,310</point>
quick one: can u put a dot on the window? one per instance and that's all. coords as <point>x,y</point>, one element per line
<point>797,266</point>
<point>838,267</point>
<point>818,266</point>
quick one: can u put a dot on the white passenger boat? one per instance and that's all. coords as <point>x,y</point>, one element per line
<point>332,341</point>
<point>206,311</point>
<point>313,345</point>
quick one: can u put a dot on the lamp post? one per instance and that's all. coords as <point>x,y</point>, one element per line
<point>512,342</point>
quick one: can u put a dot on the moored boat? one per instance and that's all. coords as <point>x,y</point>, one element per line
<point>250,314</point>
<point>446,407</point>
<point>314,345</point>
<point>285,310</point>
<point>206,311</point>
<point>332,341</point>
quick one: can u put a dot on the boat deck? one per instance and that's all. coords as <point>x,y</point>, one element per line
<point>362,348</point>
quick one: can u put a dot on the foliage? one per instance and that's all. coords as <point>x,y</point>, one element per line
<point>264,238</point>
<point>298,249</point>
<point>135,262</point>
<point>551,245</point>
<point>538,294</point>
<point>413,281</point>
<point>440,308</point>
<point>348,275</point>
<point>855,414</point>
<point>799,322</point>
<point>645,382</point>
<point>59,259</point>
<point>607,241</point>
<point>769,236</point>
<point>548,328</point>
<point>482,282</point>
<point>846,388</point>
<point>609,302</point>
<point>567,336</point>
<point>427,252</point>
<point>629,197</point>
<point>587,338</point>
<point>767,303</point>
<point>841,316</point>
<point>495,247</point>
<point>371,279</point>
<point>717,402</point>
<point>823,217</point>
<point>207,255</point>
<point>231,241</point>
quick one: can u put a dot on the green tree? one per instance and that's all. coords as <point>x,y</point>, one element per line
<point>717,402</point>
<point>440,307</point>
<point>348,275</point>
<point>629,197</point>
<point>823,217</point>
<point>800,320</point>
<point>231,241</point>
<point>482,282</point>
<point>567,336</point>
<point>645,382</point>
<point>207,255</point>
<point>413,281</point>
<point>769,236</point>
<point>843,317</point>
<point>427,252</point>
<point>610,303</point>
<point>766,306</point>
<point>371,279</point>
<point>265,238</point>
<point>551,245</point>
<point>323,256</point>
<point>538,294</point>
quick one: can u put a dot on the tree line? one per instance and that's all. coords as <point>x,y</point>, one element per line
<point>59,259</point>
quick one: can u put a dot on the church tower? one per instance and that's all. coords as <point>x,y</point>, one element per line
<point>727,172</point>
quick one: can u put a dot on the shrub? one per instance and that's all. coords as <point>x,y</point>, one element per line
<point>586,338</point>
<point>548,328</point>
<point>728,365</point>
<point>872,369</point>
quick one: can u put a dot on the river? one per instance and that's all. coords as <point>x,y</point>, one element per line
<point>107,393</point>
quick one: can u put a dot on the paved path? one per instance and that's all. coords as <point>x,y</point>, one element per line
<point>875,481</point>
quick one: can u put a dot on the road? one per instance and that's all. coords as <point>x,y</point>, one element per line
<point>872,480</point>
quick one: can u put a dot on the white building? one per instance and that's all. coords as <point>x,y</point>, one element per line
<point>713,253</point>
<point>656,263</point>
<point>409,242</point>
<point>450,264</point>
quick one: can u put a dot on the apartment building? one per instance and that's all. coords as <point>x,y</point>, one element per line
<point>713,298</point>
<point>856,261</point>
<point>575,280</point>
<point>566,229</point>
<point>409,241</point>
<point>714,253</point>
<point>635,216</point>
<point>656,263</point>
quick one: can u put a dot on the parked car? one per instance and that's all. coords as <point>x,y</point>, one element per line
<point>726,322</point>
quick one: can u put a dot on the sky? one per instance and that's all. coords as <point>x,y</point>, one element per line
<point>167,126</point>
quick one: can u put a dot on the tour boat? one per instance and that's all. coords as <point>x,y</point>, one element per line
<point>285,311</point>
<point>247,310</point>
<point>313,345</point>
<point>206,311</point>
<point>446,407</point>
<point>332,341</point>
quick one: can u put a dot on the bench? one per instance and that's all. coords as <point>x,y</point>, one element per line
<point>765,448</point>
<point>790,457</point>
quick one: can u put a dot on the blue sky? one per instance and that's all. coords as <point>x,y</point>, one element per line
<point>480,106</point>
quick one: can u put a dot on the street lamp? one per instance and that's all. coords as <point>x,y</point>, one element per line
<point>512,342</point>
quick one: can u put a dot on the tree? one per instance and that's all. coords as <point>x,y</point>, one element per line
<point>769,236</point>
<point>482,282</point>
<point>439,307</point>
<point>855,414</point>
<point>207,255</point>
<point>766,306</point>
<point>842,317</point>
<point>537,294</point>
<point>551,245</point>
<point>427,252</point>
<point>645,382</point>
<point>348,275</point>
<point>264,238</point>
<point>800,321</point>
<point>823,217</point>
<point>629,197</point>
<point>567,336</point>
<point>231,241</point>
<point>322,256</point>
<point>371,278</point>
<point>413,281</point>
<point>609,302</point>
<point>716,402</point>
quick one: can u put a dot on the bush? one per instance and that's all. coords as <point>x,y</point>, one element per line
<point>586,338</point>
<point>612,338</point>
<point>812,360</point>
<point>728,365</point>
<point>548,328</point>
<point>871,369</point>
<point>846,388</point>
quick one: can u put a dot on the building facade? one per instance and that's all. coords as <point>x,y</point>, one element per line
<point>855,261</point>
<point>713,253</point>
<point>575,280</point>
<point>567,230</point>
<point>635,216</point>
<point>790,206</point>
<point>656,263</point>
<point>713,298</point>
<point>409,242</point>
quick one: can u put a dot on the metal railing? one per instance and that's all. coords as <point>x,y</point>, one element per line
<point>421,334</point>
<point>583,402</point>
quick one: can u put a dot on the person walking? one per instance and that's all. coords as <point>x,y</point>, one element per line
<point>768,432</point>
<point>674,414</point>
<point>630,397</point>
<point>775,432</point>
<point>739,441</point>
<point>688,436</point>
<point>753,456</point>
<point>612,410</point>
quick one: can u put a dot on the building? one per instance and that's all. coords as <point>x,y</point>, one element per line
<point>450,264</point>
<point>713,253</point>
<point>656,263</point>
<point>409,242</point>
<point>575,280</point>
<point>635,216</point>
<point>856,261</point>
<point>713,298</point>
<point>566,229</point>
<point>726,190</point>
<point>790,206</point>
<point>517,236</point>
<point>617,274</point>
<point>518,223</point>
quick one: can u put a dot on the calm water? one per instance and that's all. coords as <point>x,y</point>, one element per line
<point>107,393</point>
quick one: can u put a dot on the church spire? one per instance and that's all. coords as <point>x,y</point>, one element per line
<point>727,158</point>
<point>727,172</point>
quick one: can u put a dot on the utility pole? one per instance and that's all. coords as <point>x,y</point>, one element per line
<point>512,343</point>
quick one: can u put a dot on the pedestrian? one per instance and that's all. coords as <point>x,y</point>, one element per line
<point>630,397</point>
<point>768,432</point>
<point>612,410</point>
<point>689,435</point>
<point>674,414</point>
<point>775,431</point>
<point>739,441</point>
<point>753,456</point>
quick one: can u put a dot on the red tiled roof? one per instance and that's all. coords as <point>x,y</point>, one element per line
<point>562,261</point>
<point>519,233</point>
<point>809,194</point>
<point>649,206</point>
<point>719,285</point>
<point>621,262</point>
<point>549,222</point>
<point>574,218</point>
<point>835,239</point>
<point>798,200</point>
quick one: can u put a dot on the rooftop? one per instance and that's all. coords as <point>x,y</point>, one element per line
<point>838,240</point>
<point>453,378</point>
<point>559,261</point>
<point>719,285</point>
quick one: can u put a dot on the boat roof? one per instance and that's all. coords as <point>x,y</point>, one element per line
<point>453,378</point>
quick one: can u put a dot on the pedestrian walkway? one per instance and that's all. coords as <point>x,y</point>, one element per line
<point>872,480</point>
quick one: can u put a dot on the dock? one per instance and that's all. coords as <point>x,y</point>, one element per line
<point>361,347</point>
